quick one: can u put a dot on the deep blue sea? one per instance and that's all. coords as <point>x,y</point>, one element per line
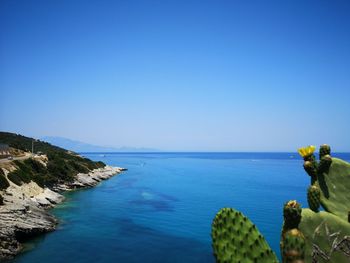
<point>161,209</point>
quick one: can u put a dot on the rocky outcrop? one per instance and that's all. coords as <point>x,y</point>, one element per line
<point>19,222</point>
<point>96,176</point>
<point>25,211</point>
<point>91,179</point>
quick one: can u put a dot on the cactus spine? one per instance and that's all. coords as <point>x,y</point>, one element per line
<point>236,239</point>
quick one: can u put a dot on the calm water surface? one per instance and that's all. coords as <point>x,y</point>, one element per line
<point>161,209</point>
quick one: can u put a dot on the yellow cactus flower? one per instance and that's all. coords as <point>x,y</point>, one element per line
<point>306,151</point>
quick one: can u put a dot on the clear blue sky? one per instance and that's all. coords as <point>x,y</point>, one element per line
<point>178,75</point>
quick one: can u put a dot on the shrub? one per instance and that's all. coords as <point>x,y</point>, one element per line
<point>61,170</point>
<point>18,177</point>
<point>35,166</point>
<point>15,178</point>
<point>78,167</point>
<point>44,179</point>
<point>1,200</point>
<point>23,167</point>
<point>3,181</point>
<point>100,164</point>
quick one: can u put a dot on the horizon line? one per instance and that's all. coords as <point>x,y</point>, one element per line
<point>203,152</point>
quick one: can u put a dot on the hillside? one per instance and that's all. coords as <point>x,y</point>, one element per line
<point>32,183</point>
<point>54,165</point>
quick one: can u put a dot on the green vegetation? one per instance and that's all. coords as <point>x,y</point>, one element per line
<point>293,246</point>
<point>236,239</point>
<point>53,152</point>
<point>25,143</point>
<point>335,185</point>
<point>324,233</point>
<point>291,214</point>
<point>314,197</point>
<point>19,177</point>
<point>292,239</point>
<point>3,182</point>
<point>324,150</point>
<point>61,167</point>
<point>307,234</point>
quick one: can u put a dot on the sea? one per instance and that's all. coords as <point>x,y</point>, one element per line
<point>161,209</point>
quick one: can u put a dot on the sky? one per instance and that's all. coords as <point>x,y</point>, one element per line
<point>178,75</point>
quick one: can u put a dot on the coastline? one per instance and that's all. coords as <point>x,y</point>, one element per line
<point>25,212</point>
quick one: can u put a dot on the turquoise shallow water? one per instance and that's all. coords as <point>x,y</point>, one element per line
<point>161,209</point>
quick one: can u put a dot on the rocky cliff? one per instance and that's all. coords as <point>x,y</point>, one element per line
<point>24,212</point>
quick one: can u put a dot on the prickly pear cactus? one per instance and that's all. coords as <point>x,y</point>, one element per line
<point>291,214</point>
<point>311,169</point>
<point>327,233</point>
<point>310,163</point>
<point>292,238</point>
<point>326,237</point>
<point>324,150</point>
<point>307,235</point>
<point>236,239</point>
<point>325,163</point>
<point>294,246</point>
<point>314,197</point>
<point>335,188</point>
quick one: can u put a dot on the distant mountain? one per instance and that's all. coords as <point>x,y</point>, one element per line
<point>78,146</point>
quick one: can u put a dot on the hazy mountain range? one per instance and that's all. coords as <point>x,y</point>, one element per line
<point>78,146</point>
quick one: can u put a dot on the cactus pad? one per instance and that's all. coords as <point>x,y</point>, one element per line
<point>324,233</point>
<point>327,233</point>
<point>335,188</point>
<point>324,150</point>
<point>311,169</point>
<point>236,239</point>
<point>306,236</point>
<point>293,246</point>
<point>291,214</point>
<point>324,164</point>
<point>314,197</point>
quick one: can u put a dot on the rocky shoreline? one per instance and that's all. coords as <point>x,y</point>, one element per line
<point>25,210</point>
